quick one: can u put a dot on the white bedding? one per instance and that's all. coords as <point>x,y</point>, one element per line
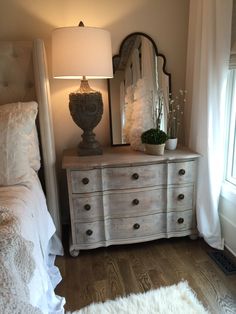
<point>29,206</point>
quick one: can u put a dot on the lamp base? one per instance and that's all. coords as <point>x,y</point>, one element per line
<point>89,145</point>
<point>89,152</point>
<point>86,108</point>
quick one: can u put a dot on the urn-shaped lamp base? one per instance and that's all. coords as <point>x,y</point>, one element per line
<point>86,109</point>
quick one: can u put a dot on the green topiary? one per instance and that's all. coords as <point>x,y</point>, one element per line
<point>154,136</point>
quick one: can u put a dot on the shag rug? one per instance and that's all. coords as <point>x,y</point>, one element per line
<point>176,299</point>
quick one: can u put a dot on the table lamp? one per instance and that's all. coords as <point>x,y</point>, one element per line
<point>83,53</point>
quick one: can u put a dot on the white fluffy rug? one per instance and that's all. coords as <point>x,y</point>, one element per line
<point>176,299</point>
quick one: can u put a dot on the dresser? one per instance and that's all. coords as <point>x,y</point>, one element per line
<point>125,196</point>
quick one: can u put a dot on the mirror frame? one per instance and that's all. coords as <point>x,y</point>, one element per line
<point>117,57</point>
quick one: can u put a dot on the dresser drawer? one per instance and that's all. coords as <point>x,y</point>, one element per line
<point>126,204</point>
<point>180,198</point>
<point>179,221</point>
<point>87,207</point>
<point>112,205</point>
<point>85,181</point>
<point>135,203</point>
<point>89,233</point>
<point>182,172</point>
<point>125,228</point>
<point>134,176</point>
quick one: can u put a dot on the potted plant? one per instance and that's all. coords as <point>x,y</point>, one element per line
<point>154,141</point>
<point>175,118</point>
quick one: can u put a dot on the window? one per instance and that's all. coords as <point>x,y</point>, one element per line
<point>230,173</point>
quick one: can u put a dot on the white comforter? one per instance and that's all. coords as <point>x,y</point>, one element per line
<point>29,206</point>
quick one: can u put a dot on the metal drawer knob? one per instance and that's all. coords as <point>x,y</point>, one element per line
<point>89,232</point>
<point>181,196</point>
<point>136,226</point>
<point>135,201</point>
<point>85,180</point>
<point>181,172</point>
<point>87,207</point>
<point>180,220</point>
<point>135,176</point>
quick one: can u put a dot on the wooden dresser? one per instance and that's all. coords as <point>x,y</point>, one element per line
<point>124,196</point>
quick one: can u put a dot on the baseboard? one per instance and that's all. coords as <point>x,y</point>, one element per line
<point>230,250</point>
<point>229,232</point>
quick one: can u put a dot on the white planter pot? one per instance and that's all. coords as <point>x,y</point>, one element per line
<point>155,149</point>
<point>171,143</point>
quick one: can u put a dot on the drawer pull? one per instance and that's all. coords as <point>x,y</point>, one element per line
<point>135,201</point>
<point>136,226</point>
<point>89,232</point>
<point>181,172</point>
<point>85,180</point>
<point>181,196</point>
<point>87,207</point>
<point>180,220</point>
<point>135,176</point>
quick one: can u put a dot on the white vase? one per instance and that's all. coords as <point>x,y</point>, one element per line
<point>155,149</point>
<point>171,143</point>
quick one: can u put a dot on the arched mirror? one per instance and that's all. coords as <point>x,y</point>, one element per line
<point>140,80</point>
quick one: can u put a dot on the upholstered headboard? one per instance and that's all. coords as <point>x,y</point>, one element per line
<point>23,77</point>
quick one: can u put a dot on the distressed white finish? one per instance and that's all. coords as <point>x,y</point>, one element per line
<point>23,77</point>
<point>134,198</point>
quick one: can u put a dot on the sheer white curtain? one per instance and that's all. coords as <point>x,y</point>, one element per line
<point>207,65</point>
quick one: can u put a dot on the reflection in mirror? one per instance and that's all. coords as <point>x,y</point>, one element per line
<point>140,82</point>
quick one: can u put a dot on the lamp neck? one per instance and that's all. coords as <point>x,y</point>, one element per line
<point>84,87</point>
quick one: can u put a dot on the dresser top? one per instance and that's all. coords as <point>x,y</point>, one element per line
<point>122,156</point>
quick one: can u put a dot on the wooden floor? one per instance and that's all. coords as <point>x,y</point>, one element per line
<point>106,273</point>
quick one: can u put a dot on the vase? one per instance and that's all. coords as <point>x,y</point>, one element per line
<point>171,143</point>
<point>155,149</point>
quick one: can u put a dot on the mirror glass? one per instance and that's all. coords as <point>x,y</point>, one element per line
<point>140,81</point>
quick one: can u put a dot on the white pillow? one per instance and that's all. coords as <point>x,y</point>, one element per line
<point>17,121</point>
<point>34,154</point>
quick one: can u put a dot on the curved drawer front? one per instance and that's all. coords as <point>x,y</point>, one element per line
<point>182,172</point>
<point>179,221</point>
<point>88,207</point>
<point>134,176</point>
<point>124,228</point>
<point>89,233</point>
<point>180,198</point>
<point>84,181</point>
<point>134,203</point>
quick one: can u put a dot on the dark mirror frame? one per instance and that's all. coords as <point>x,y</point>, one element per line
<point>115,61</point>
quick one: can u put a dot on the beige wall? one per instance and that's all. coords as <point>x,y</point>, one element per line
<point>166,21</point>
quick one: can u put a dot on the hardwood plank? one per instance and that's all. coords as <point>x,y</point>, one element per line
<point>101,290</point>
<point>114,279</point>
<point>142,276</point>
<point>128,277</point>
<point>106,273</point>
<point>98,266</point>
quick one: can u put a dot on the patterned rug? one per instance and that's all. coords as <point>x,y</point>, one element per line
<point>176,299</point>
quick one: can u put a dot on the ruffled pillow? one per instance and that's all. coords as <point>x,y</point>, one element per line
<point>17,121</point>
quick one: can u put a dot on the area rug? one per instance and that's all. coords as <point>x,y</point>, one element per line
<point>176,299</point>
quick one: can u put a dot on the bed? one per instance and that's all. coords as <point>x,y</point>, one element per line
<point>29,210</point>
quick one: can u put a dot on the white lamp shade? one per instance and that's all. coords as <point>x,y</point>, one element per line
<point>81,51</point>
